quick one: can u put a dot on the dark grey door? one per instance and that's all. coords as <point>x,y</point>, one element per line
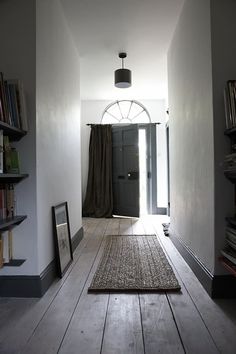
<point>125,168</point>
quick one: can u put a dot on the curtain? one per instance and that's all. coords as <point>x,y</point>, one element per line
<point>99,198</point>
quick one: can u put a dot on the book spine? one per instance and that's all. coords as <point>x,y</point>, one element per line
<point>1,252</point>
<point>9,104</point>
<point>1,151</point>
<point>232,102</point>
<point>4,99</point>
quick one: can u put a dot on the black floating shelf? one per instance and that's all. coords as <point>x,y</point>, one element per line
<point>231,131</point>
<point>10,223</point>
<point>231,175</point>
<point>14,263</point>
<point>232,221</point>
<point>12,177</point>
<point>14,133</point>
<point>228,265</point>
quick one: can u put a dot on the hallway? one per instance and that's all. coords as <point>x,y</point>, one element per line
<point>68,320</point>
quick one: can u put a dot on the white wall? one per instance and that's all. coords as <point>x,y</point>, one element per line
<point>17,60</point>
<point>191,131</point>
<point>91,112</point>
<point>224,68</point>
<point>58,124</point>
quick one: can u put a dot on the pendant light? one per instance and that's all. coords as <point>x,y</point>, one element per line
<point>122,76</point>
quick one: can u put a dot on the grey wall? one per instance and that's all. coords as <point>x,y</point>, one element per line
<point>50,152</point>
<point>224,68</point>
<point>17,60</point>
<point>58,124</point>
<point>91,112</point>
<point>191,131</point>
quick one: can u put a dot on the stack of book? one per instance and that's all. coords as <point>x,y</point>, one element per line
<point>6,248</point>
<point>12,103</point>
<point>230,250</point>
<point>230,104</point>
<point>7,201</point>
<point>9,157</point>
<point>230,164</point>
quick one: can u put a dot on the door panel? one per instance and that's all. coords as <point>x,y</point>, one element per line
<point>125,169</point>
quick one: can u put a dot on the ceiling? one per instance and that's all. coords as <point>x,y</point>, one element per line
<point>142,28</point>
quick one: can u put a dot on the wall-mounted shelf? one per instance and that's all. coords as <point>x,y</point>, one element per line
<point>230,132</point>
<point>12,177</point>
<point>15,134</point>
<point>231,175</point>
<point>10,223</point>
<point>232,221</point>
<point>228,265</point>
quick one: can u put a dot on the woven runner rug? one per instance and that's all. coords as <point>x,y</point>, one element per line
<point>133,263</point>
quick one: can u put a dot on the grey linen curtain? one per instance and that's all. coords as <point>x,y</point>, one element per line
<point>99,199</point>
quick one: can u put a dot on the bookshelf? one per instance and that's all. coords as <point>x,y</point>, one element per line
<point>10,223</point>
<point>12,121</point>
<point>228,257</point>
<point>14,134</point>
<point>12,177</point>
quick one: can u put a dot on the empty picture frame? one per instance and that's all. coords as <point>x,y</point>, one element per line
<point>61,228</point>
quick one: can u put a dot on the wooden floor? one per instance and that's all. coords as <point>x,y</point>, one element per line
<point>69,320</point>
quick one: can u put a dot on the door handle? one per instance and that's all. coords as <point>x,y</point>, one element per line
<point>121,177</point>
<point>133,175</point>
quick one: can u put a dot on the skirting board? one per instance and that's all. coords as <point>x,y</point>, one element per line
<point>37,285</point>
<point>217,286</point>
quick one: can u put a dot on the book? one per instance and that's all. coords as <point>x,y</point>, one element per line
<point>6,154</point>
<point>21,103</point>
<point>14,161</point>
<point>14,105</point>
<point>232,101</point>
<point>5,117</point>
<point>10,201</point>
<point>230,254</point>
<point>228,117</point>
<point>1,151</point>
<point>5,247</point>
<point>1,252</point>
<point>231,244</point>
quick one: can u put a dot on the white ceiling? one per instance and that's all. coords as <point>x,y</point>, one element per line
<point>142,28</point>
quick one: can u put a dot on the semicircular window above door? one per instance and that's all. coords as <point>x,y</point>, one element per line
<point>125,111</point>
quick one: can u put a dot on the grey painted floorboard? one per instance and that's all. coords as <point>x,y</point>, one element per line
<point>70,320</point>
<point>218,315</point>
<point>123,330</point>
<point>89,317</point>
<point>50,331</point>
<point>14,338</point>
<point>159,329</point>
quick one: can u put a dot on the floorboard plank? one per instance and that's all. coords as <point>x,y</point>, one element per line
<point>126,226</point>
<point>137,226</point>
<point>159,329</point>
<point>85,332</point>
<point>123,330</point>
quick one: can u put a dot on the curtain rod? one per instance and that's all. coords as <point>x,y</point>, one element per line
<point>90,124</point>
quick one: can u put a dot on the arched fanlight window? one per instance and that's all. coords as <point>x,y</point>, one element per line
<point>125,111</point>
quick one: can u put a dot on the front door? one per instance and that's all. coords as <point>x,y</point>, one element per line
<point>125,169</point>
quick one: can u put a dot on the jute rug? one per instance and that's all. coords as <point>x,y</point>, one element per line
<point>133,262</point>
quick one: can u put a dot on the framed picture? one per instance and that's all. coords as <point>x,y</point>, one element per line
<point>61,228</point>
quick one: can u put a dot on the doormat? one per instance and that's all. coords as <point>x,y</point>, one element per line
<point>133,263</point>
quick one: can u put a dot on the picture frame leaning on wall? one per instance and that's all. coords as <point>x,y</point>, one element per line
<point>62,237</point>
